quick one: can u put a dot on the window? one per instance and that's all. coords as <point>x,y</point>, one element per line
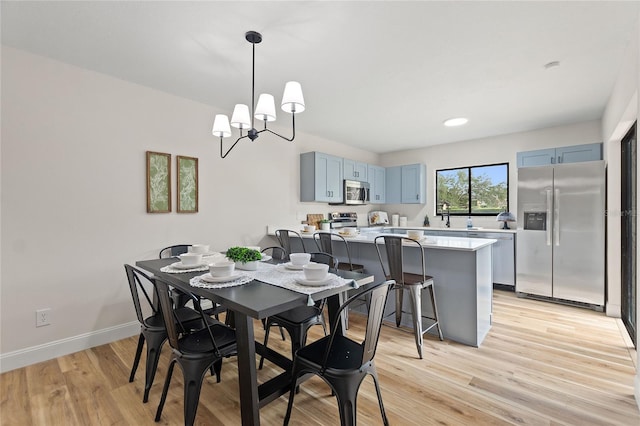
<point>473,191</point>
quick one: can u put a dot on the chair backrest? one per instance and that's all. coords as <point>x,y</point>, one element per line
<point>394,247</point>
<point>172,251</point>
<point>173,326</point>
<point>277,253</point>
<point>326,258</point>
<point>378,298</point>
<point>324,241</point>
<point>136,277</point>
<point>285,237</point>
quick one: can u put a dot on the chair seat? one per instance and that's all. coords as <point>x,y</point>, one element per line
<point>345,354</point>
<point>345,266</point>
<point>296,315</point>
<point>415,279</point>
<point>185,315</point>
<point>200,342</point>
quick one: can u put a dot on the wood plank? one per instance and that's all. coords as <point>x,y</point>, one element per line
<point>541,364</point>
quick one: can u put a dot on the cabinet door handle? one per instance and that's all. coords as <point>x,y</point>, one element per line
<point>417,196</point>
<point>553,160</point>
<point>560,159</point>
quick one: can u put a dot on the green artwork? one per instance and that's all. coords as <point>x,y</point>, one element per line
<point>187,184</point>
<point>158,182</point>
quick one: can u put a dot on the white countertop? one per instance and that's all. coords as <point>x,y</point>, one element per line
<point>429,242</point>
<point>473,229</point>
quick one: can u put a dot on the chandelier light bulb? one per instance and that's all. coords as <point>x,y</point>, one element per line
<point>221,126</point>
<point>266,108</point>
<point>292,99</point>
<point>241,118</point>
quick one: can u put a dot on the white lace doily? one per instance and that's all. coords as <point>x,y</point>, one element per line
<point>199,282</point>
<point>169,269</point>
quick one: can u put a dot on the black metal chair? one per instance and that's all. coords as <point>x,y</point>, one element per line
<point>298,321</point>
<point>179,297</point>
<point>342,362</point>
<point>152,328</point>
<point>394,246</point>
<point>277,253</point>
<point>195,353</point>
<point>325,240</point>
<point>286,237</point>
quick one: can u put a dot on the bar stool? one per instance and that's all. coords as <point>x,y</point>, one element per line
<point>413,282</point>
<point>324,241</point>
<point>286,237</point>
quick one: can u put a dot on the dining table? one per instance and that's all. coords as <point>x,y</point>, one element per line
<point>256,299</point>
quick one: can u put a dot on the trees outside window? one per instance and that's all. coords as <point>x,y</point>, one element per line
<point>473,191</point>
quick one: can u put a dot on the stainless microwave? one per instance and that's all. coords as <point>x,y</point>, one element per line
<point>356,192</point>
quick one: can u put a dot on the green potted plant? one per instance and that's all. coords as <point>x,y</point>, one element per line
<point>244,257</point>
<point>325,224</point>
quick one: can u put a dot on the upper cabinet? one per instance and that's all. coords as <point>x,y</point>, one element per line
<point>377,184</point>
<point>321,177</point>
<point>566,154</point>
<point>406,184</point>
<point>355,170</point>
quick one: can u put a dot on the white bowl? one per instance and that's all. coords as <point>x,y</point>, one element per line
<point>222,269</point>
<point>200,248</point>
<point>350,231</point>
<point>309,228</point>
<point>415,234</point>
<point>315,271</point>
<point>191,258</point>
<point>300,259</point>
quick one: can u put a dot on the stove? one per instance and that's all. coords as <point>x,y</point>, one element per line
<point>343,220</point>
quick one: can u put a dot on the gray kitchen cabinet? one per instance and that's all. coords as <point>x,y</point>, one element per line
<point>406,184</point>
<point>354,170</point>
<point>321,177</point>
<point>503,252</point>
<point>565,154</point>
<point>377,184</point>
<point>413,184</point>
<point>393,183</point>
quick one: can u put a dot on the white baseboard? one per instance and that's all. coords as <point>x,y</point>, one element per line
<point>614,311</point>
<point>23,357</point>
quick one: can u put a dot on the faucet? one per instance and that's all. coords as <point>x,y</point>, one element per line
<point>445,210</point>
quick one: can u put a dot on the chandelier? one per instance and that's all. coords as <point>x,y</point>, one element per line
<point>265,110</point>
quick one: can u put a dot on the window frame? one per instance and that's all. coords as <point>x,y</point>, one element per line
<point>438,210</point>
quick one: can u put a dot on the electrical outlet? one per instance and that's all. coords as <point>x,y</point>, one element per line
<point>43,317</point>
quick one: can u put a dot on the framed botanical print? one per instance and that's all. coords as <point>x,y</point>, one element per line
<point>158,182</point>
<point>187,184</point>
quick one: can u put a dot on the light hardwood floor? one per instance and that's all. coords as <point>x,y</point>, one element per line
<point>542,364</point>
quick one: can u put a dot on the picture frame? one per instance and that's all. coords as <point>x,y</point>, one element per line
<point>158,182</point>
<point>187,193</point>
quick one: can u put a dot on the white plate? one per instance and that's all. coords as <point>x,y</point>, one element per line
<point>180,265</point>
<point>293,267</point>
<point>315,283</point>
<point>210,279</point>
<point>348,235</point>
<point>266,257</point>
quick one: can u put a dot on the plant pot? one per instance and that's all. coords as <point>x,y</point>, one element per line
<point>247,266</point>
<point>325,226</point>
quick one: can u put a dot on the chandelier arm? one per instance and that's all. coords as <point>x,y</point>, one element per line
<point>293,121</point>
<point>232,146</point>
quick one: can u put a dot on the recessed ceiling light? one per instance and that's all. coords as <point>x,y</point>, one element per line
<point>551,64</point>
<point>452,122</point>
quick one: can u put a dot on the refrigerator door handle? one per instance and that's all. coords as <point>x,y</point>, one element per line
<point>548,220</point>
<point>556,217</point>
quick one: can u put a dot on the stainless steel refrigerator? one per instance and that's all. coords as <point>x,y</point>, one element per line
<point>561,232</point>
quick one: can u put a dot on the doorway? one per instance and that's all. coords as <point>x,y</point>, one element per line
<point>628,209</point>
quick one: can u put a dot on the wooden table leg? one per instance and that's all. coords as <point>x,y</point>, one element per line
<point>247,376</point>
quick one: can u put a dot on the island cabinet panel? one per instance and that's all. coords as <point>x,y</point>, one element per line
<point>463,286</point>
<point>321,177</point>
<point>377,184</point>
<point>565,154</point>
<point>355,170</point>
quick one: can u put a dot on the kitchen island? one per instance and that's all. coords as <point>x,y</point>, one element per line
<point>462,273</point>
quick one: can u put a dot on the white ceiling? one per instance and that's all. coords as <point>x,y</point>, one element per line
<point>381,76</point>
